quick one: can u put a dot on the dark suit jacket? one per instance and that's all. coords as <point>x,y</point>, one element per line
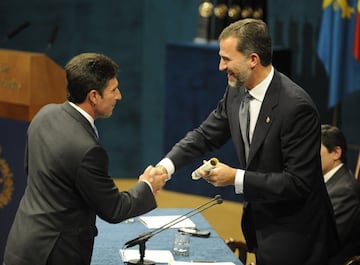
<point>344,193</point>
<point>287,216</point>
<point>68,185</point>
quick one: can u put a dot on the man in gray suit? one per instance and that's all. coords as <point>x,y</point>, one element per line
<point>343,189</point>
<point>67,168</point>
<point>287,216</point>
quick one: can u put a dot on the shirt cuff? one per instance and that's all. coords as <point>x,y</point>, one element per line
<point>147,182</point>
<point>239,181</point>
<point>168,165</point>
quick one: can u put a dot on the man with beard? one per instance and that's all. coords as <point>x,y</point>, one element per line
<point>287,215</point>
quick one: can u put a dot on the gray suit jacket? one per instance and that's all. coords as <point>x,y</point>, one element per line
<point>68,185</point>
<point>287,217</point>
<point>344,193</point>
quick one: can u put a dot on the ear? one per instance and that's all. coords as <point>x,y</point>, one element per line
<point>336,153</point>
<point>92,96</point>
<point>254,59</point>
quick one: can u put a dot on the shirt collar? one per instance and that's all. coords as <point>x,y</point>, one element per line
<point>84,113</point>
<point>332,172</point>
<point>259,91</point>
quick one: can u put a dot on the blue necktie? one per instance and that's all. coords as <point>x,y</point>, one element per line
<point>244,117</point>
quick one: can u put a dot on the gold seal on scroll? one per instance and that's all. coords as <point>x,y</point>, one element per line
<point>205,9</point>
<point>234,12</point>
<point>220,10</point>
<point>6,183</point>
<point>258,13</point>
<point>247,12</point>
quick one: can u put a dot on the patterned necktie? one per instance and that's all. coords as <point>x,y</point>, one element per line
<point>244,117</point>
<point>96,132</point>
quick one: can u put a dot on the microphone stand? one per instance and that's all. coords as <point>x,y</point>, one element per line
<point>15,32</point>
<point>142,248</point>
<point>141,240</point>
<point>52,38</point>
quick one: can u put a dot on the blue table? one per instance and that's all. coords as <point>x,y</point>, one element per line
<point>112,237</point>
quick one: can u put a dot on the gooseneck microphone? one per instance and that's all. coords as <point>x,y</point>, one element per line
<point>52,38</point>
<point>141,239</point>
<point>16,31</point>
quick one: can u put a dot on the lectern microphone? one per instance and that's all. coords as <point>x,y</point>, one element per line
<point>52,38</point>
<point>16,31</point>
<point>140,240</point>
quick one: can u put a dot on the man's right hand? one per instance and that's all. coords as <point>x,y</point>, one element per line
<point>156,176</point>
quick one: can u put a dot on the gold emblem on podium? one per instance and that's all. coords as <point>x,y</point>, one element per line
<point>6,182</point>
<point>4,68</point>
<point>205,9</point>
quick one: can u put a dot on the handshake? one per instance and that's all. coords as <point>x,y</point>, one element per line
<point>156,177</point>
<point>212,171</point>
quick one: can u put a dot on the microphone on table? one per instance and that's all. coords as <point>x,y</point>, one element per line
<point>141,239</point>
<point>52,38</point>
<point>15,31</point>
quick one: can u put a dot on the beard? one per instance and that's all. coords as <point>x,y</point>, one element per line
<point>235,81</point>
<point>239,78</point>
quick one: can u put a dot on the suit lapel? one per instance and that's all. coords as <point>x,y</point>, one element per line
<point>80,118</point>
<point>266,115</point>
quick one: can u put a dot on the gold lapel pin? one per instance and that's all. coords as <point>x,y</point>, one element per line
<point>267,119</point>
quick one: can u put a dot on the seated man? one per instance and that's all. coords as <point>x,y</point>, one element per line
<point>343,190</point>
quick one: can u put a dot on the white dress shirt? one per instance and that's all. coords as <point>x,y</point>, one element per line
<point>332,172</point>
<point>84,113</point>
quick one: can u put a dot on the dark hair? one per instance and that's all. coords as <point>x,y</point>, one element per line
<point>88,71</point>
<point>331,137</point>
<point>253,36</point>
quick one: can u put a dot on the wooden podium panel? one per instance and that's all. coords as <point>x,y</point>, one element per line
<point>28,81</point>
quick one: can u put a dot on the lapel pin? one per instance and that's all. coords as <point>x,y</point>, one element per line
<point>267,119</point>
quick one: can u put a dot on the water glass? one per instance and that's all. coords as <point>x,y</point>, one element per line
<point>181,244</point>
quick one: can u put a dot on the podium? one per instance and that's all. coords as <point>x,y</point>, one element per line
<point>28,81</point>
